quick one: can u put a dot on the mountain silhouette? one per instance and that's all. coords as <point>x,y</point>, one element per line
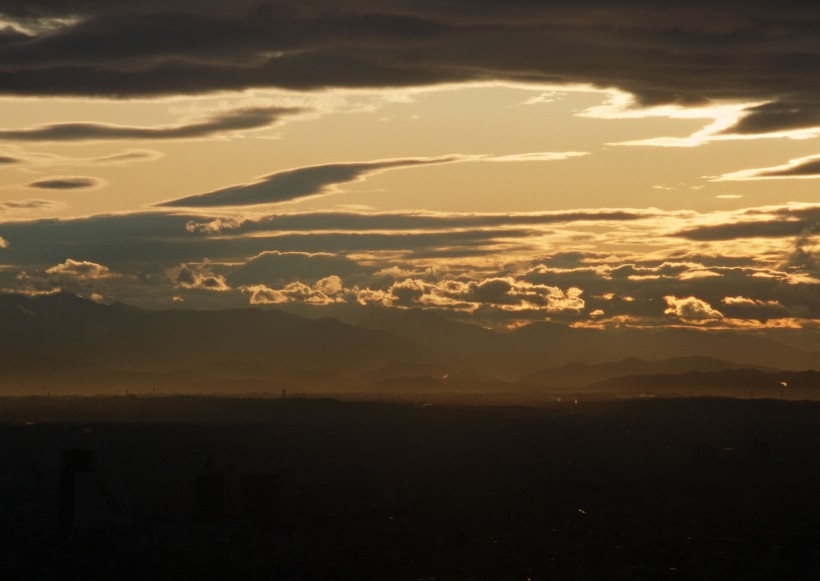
<point>62,339</point>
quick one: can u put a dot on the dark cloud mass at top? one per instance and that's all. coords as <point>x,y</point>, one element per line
<point>758,51</point>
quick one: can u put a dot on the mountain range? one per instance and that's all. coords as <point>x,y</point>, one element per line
<point>67,344</point>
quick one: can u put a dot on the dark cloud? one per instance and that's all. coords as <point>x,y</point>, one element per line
<point>297,183</point>
<point>199,278</point>
<point>778,116</point>
<point>805,167</point>
<point>429,221</point>
<point>218,123</point>
<point>155,238</point>
<point>804,257</point>
<point>762,51</point>
<point>7,160</point>
<point>759,229</point>
<point>66,183</point>
<point>26,205</point>
<point>783,223</point>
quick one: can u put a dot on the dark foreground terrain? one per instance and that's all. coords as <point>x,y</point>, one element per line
<point>209,488</point>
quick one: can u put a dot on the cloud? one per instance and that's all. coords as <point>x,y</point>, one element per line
<point>496,267</point>
<point>803,167</point>
<point>28,205</point>
<point>199,278</point>
<point>18,209</point>
<point>130,156</point>
<point>263,295</point>
<point>82,277</point>
<point>80,269</point>
<point>447,294</point>
<point>217,124</point>
<point>747,302</point>
<point>303,182</point>
<point>402,221</point>
<point>536,156</point>
<point>322,292</point>
<point>154,238</point>
<point>691,309</point>
<point>806,252</point>
<point>298,183</point>
<point>777,116</point>
<point>67,183</point>
<point>777,223</point>
<point>506,294</point>
<point>763,52</point>
<point>274,267</point>
<point>40,159</point>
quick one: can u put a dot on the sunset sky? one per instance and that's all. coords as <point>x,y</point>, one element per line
<point>593,163</point>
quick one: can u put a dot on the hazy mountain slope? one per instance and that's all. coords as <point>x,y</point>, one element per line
<point>72,328</point>
<point>735,382</point>
<point>573,375</point>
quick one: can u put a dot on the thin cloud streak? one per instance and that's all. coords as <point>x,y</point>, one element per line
<point>305,182</point>
<point>216,124</point>
<point>800,168</point>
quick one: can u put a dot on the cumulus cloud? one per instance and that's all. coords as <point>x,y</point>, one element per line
<point>691,309</point>
<point>323,292</point>
<point>80,269</point>
<point>274,267</point>
<point>78,276</point>
<point>199,278</point>
<point>747,302</point>
<point>213,225</point>
<point>507,294</point>
<point>519,298</point>
<point>263,295</point>
<point>762,52</point>
<point>67,183</point>
<point>216,124</point>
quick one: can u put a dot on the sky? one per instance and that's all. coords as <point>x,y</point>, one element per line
<point>592,163</point>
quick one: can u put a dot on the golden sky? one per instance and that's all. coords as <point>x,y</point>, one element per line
<point>593,169</point>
